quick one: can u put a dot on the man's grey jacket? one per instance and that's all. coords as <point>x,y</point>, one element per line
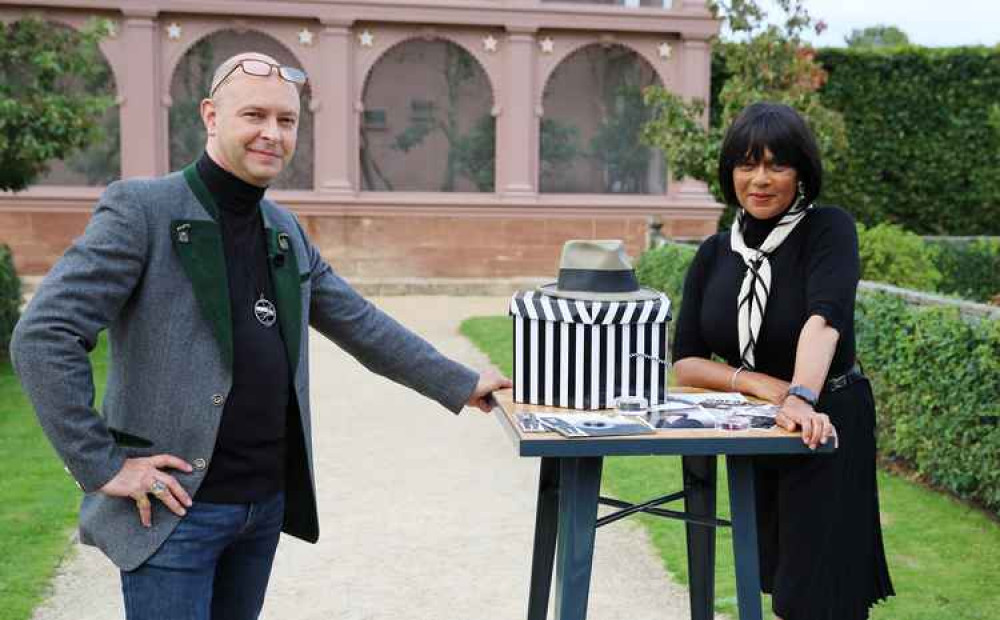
<point>150,268</point>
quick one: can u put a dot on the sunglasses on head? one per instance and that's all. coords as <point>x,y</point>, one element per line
<point>262,68</point>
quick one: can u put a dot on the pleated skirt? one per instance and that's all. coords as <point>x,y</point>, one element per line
<point>820,539</point>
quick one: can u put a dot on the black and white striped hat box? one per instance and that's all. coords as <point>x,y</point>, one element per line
<point>584,354</point>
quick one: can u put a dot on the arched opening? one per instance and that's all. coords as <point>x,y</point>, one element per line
<point>427,123</point>
<point>191,81</point>
<point>590,131</point>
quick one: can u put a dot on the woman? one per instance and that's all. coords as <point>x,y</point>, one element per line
<point>774,299</point>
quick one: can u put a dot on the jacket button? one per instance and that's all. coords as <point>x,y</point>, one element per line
<point>199,464</point>
<point>217,399</point>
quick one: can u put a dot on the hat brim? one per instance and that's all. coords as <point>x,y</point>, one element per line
<point>643,294</point>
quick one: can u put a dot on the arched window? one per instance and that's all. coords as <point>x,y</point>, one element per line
<point>100,162</point>
<point>190,83</point>
<point>593,118</point>
<point>427,122</point>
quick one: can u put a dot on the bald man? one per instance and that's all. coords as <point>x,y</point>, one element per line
<point>207,289</point>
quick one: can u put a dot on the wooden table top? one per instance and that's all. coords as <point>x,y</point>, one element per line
<point>686,441</point>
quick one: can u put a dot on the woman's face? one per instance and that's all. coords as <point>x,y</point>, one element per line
<point>765,188</point>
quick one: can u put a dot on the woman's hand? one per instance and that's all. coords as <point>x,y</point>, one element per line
<point>762,386</point>
<point>816,427</point>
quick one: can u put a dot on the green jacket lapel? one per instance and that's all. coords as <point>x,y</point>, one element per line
<point>285,277</point>
<point>199,245</point>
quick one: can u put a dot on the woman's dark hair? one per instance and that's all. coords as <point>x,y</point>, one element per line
<point>779,128</point>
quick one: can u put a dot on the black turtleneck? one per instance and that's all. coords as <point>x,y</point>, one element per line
<point>814,271</point>
<point>249,460</point>
<point>755,231</point>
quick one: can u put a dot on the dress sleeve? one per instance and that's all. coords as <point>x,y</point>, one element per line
<point>688,339</point>
<point>833,267</point>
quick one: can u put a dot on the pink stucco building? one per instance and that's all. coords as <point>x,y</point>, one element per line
<point>442,137</point>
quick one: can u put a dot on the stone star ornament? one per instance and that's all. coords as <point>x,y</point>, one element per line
<point>665,51</point>
<point>305,37</point>
<point>174,31</point>
<point>366,38</point>
<point>490,44</point>
<point>548,45</point>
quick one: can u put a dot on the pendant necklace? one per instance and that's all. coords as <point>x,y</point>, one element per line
<point>263,309</point>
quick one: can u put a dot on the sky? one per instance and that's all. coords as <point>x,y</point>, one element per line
<point>933,23</point>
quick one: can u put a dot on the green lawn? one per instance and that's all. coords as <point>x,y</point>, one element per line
<point>944,557</point>
<point>38,500</point>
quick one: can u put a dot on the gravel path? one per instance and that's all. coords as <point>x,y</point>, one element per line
<point>424,515</point>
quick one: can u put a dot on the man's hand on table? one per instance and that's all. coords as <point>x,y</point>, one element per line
<point>489,382</point>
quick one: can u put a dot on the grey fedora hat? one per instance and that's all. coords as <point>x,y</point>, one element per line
<point>597,270</point>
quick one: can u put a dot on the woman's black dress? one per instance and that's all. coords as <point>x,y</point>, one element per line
<point>821,553</point>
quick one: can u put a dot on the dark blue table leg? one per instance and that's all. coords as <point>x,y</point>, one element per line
<point>699,499</point>
<point>546,526</point>
<point>579,488</point>
<point>741,502</point>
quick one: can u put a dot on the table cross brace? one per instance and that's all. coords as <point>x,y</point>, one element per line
<point>649,507</point>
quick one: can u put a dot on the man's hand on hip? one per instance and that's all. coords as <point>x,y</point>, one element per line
<point>489,382</point>
<point>143,476</point>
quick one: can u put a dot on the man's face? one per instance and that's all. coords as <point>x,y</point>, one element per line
<point>252,124</point>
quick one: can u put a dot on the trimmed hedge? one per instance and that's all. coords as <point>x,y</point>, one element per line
<point>937,379</point>
<point>924,148</point>
<point>10,298</point>
<point>935,375</point>
<point>969,269</point>
<point>923,126</point>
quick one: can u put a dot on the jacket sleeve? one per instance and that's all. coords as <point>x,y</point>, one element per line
<point>379,342</point>
<point>79,297</point>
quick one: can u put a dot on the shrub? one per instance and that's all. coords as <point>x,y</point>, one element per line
<point>937,379</point>
<point>664,269</point>
<point>970,270</point>
<point>892,255</point>
<point>10,297</point>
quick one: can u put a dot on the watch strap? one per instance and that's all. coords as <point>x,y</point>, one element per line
<point>804,393</point>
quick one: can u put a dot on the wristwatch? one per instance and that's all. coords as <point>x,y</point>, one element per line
<point>804,394</point>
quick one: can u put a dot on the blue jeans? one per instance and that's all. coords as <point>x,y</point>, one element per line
<point>214,566</point>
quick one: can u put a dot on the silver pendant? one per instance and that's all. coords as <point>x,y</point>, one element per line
<point>265,312</point>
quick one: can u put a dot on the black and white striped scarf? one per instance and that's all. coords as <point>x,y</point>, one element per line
<point>752,301</point>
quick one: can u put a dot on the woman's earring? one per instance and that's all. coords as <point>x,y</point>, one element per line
<point>801,187</point>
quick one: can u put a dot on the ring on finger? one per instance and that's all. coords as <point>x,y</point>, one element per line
<point>142,502</point>
<point>157,487</point>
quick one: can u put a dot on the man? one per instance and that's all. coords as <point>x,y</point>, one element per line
<point>207,290</point>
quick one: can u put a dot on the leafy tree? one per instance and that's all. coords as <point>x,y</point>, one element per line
<point>192,79</point>
<point>616,160</point>
<point>560,145</point>
<point>44,111</point>
<point>877,36</point>
<point>476,150</point>
<point>617,143</point>
<point>475,153</point>
<point>766,62</point>
<point>459,68</point>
